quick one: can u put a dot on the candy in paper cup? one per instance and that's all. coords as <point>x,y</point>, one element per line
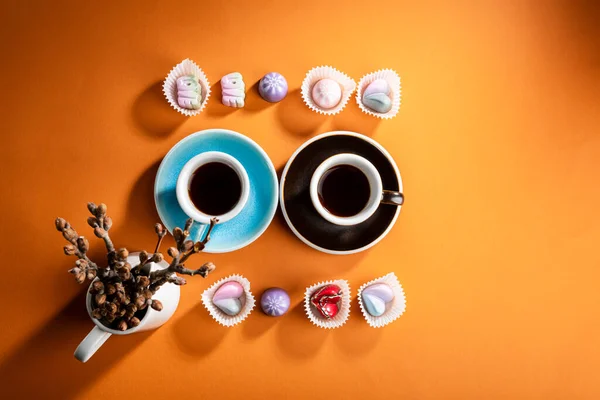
<point>393,81</point>
<point>313,76</point>
<point>393,308</point>
<point>247,301</point>
<point>186,67</point>
<point>344,306</point>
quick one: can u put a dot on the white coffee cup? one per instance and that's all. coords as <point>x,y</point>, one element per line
<point>185,177</point>
<point>377,194</point>
<point>167,294</point>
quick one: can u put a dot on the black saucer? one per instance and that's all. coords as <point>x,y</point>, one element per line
<point>301,215</point>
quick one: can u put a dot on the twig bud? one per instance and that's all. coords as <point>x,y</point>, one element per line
<point>122,326</point>
<point>99,232</point>
<point>92,221</point>
<point>122,253</point>
<point>69,250</point>
<point>148,294</point>
<point>188,224</point>
<point>97,287</point>
<point>101,210</point>
<point>133,322</point>
<point>159,229</point>
<point>157,305</point>
<point>119,287</point>
<point>80,277</point>
<point>108,222</point>
<point>60,223</point>
<point>188,245</point>
<point>100,299</point>
<point>131,310</point>
<point>178,235</point>
<point>157,257</point>
<point>198,247</point>
<point>91,207</point>
<point>140,301</point>
<point>124,274</point>
<point>143,281</point>
<point>97,313</point>
<point>119,297</point>
<point>110,317</point>
<point>82,244</point>
<point>143,256</point>
<point>172,252</point>
<point>91,274</point>
<point>70,235</point>
<point>111,308</point>
<point>207,269</point>
<point>81,263</point>
<point>75,270</point>
<point>110,289</point>
<point>178,280</point>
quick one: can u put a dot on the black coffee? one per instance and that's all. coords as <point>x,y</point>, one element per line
<point>344,190</point>
<point>215,188</point>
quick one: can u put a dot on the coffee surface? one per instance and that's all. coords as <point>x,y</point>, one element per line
<point>344,190</point>
<point>215,188</point>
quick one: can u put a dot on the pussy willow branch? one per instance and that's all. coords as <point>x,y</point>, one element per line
<point>177,264</point>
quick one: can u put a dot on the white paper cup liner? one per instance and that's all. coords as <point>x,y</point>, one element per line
<point>186,67</point>
<point>220,316</point>
<point>393,79</point>
<point>326,72</point>
<point>341,317</point>
<point>393,310</point>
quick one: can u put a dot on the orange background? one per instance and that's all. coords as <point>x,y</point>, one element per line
<point>498,143</point>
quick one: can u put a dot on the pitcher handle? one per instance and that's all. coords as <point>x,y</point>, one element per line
<point>92,342</point>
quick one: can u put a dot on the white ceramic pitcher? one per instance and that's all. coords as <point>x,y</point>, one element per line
<point>168,295</point>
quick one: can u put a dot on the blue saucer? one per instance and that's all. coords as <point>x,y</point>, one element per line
<point>260,209</point>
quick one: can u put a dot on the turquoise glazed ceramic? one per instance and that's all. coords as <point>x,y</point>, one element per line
<point>258,213</point>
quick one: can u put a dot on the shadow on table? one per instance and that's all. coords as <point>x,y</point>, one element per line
<point>137,230</point>
<point>296,118</point>
<point>354,120</point>
<point>582,18</point>
<point>214,107</point>
<point>297,337</point>
<point>153,114</point>
<point>44,366</point>
<point>254,102</point>
<point>356,337</point>
<point>197,334</point>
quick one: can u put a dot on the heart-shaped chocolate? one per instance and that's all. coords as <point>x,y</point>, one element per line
<point>378,102</point>
<point>378,86</point>
<point>227,298</point>
<point>375,298</point>
<point>327,300</point>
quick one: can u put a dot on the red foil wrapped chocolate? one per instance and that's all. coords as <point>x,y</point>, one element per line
<point>327,300</point>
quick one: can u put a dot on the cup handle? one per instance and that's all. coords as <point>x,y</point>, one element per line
<point>393,198</point>
<point>92,342</point>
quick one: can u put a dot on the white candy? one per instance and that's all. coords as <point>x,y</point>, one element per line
<point>233,90</point>
<point>327,93</point>
<point>189,92</point>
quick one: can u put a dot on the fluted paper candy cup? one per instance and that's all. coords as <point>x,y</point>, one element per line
<point>186,67</point>
<point>347,85</point>
<point>344,311</point>
<point>393,309</point>
<point>393,80</point>
<point>220,316</point>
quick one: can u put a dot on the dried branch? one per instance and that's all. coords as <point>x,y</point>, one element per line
<point>122,294</point>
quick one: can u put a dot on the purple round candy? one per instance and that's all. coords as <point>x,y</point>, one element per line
<point>273,87</point>
<point>275,302</point>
